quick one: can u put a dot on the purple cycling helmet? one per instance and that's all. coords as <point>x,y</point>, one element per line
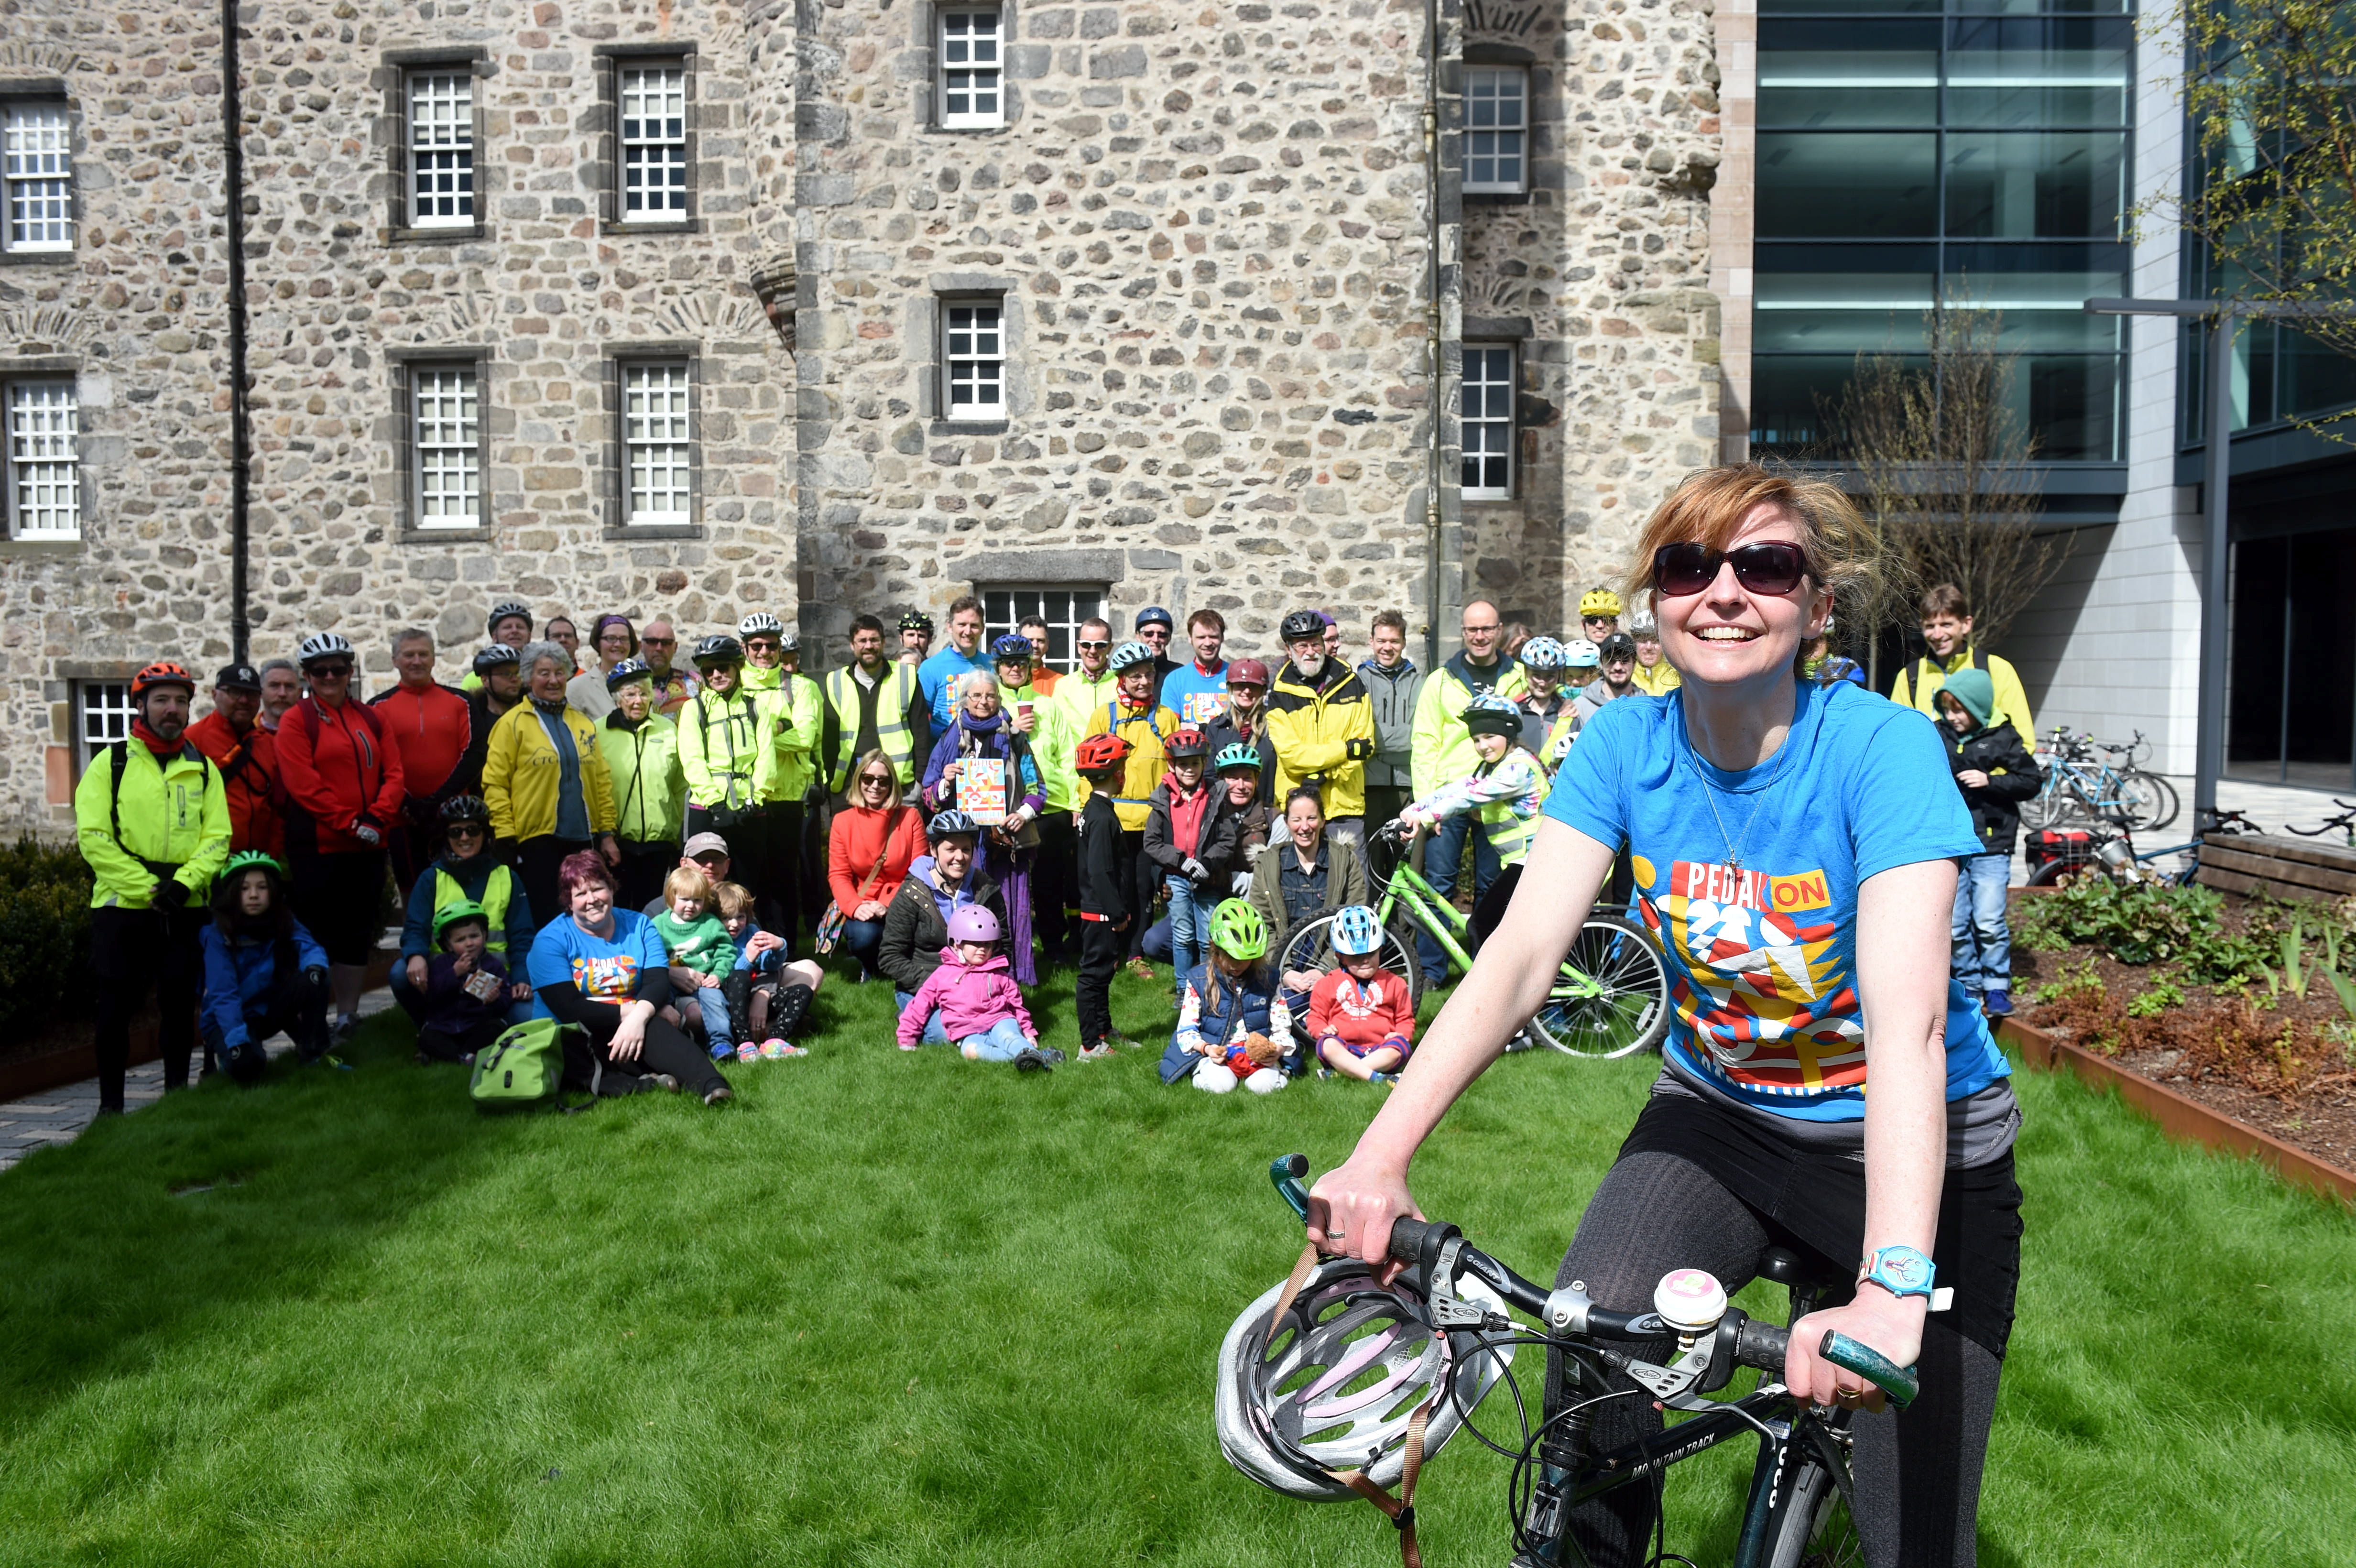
<point>973,924</point>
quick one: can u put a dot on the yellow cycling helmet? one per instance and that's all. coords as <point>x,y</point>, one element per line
<point>1598,603</point>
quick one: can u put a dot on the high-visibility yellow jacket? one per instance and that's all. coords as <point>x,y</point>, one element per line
<point>1052,741</point>
<point>521,774</point>
<point>728,747</point>
<point>1077,698</point>
<point>1144,729</point>
<point>800,707</point>
<point>1313,730</point>
<point>1928,674</point>
<point>172,812</point>
<point>650,790</point>
<point>1658,680</point>
<point>1443,752</point>
<point>896,691</point>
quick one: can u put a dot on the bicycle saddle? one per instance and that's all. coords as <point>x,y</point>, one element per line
<point>1788,1267</point>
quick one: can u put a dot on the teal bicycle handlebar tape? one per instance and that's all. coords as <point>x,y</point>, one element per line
<point>1286,1171</point>
<point>1899,1382</point>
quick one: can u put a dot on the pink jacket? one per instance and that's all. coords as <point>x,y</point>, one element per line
<point>970,1000</point>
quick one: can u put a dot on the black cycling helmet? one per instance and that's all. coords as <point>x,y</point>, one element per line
<point>1301,625</point>
<point>466,808</point>
<point>718,648</point>
<point>1618,646</point>
<point>492,657</point>
<point>916,621</point>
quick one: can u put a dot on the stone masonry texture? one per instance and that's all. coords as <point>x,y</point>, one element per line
<point>1213,228</point>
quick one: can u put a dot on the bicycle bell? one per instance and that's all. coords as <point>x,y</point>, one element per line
<point>1689,1300</point>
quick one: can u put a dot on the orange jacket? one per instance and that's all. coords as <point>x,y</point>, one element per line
<point>431,726</point>
<point>338,769</point>
<point>854,841</point>
<point>248,768</point>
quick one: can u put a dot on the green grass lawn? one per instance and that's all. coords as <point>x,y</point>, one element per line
<point>900,1310</point>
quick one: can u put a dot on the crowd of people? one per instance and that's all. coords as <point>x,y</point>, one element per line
<point>637,839</point>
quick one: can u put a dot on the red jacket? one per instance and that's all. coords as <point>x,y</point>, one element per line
<point>431,726</point>
<point>1364,1015</point>
<point>854,841</point>
<point>338,769</point>
<point>249,765</point>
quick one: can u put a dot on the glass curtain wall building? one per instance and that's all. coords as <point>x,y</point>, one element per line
<point>1919,157</point>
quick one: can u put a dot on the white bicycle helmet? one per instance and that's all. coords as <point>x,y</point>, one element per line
<point>1356,930</point>
<point>1372,1360</point>
<point>1129,653</point>
<point>322,645</point>
<point>1542,652</point>
<point>758,622</point>
<point>1579,653</point>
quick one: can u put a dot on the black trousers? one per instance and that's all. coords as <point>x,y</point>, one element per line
<point>444,1045</point>
<point>339,898</point>
<point>778,895</point>
<point>1100,953</point>
<point>665,1050</point>
<point>130,948</point>
<point>749,855</point>
<point>1055,881</point>
<point>537,861</point>
<point>295,1007</point>
<point>818,817</point>
<point>641,874</point>
<point>1139,882</point>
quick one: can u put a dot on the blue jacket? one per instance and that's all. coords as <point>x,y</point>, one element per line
<point>240,974</point>
<point>1241,1008</point>
<point>937,679</point>
<point>417,919</point>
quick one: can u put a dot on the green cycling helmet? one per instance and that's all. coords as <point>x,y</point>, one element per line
<point>1238,931</point>
<point>246,860</point>
<point>1235,756</point>
<point>449,914</point>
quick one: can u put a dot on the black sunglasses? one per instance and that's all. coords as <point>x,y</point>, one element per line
<point>1680,570</point>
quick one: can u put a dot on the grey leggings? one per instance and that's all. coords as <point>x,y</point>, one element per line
<point>1918,1476</point>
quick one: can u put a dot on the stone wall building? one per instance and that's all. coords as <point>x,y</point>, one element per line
<point>690,308</point>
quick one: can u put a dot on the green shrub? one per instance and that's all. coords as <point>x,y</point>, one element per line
<point>44,934</point>
<point>2144,922</point>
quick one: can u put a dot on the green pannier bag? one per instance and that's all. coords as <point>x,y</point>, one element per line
<point>523,1069</point>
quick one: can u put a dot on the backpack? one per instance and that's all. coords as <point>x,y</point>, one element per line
<point>523,1069</point>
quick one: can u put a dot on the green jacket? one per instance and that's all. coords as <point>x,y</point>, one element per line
<point>1442,749</point>
<point>649,788</point>
<point>801,704</point>
<point>172,813</point>
<point>1075,700</point>
<point>728,747</point>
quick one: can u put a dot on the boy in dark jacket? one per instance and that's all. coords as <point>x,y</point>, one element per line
<point>468,994</point>
<point>1105,914</point>
<point>1996,773</point>
<point>1189,839</point>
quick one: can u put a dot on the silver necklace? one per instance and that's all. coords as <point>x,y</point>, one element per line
<point>1734,848</point>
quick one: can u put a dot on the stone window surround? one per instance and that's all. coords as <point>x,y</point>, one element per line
<point>397,66</point>
<point>618,357</point>
<point>927,325</point>
<point>604,123</point>
<point>400,358</point>
<point>1516,332</point>
<point>1522,188</point>
<point>48,90</point>
<point>1512,493</point>
<point>925,97</point>
<point>1535,100</point>
<point>43,368</point>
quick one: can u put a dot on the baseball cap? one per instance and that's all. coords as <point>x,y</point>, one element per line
<point>239,677</point>
<point>705,844</point>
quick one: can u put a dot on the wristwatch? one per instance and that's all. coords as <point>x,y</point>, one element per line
<point>1899,1270</point>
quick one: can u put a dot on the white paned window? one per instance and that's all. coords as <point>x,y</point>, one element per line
<point>102,715</point>
<point>44,470</point>
<point>974,333</point>
<point>1496,130</point>
<point>442,149</point>
<point>1488,422</point>
<point>972,93</point>
<point>1004,610</point>
<point>445,437</point>
<point>654,143</point>
<point>658,454</point>
<point>37,166</point>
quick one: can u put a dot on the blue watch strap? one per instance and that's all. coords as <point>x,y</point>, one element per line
<point>1901,1270</point>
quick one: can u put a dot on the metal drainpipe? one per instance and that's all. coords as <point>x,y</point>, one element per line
<point>241,434</point>
<point>1431,332</point>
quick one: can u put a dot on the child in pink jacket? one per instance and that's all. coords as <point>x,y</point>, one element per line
<point>981,1008</point>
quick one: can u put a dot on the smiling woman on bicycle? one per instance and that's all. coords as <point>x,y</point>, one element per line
<point>1794,847</point>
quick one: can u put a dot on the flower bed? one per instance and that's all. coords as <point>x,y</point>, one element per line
<point>2245,1006</point>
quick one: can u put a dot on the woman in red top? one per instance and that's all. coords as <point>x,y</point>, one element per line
<point>344,793</point>
<point>869,851</point>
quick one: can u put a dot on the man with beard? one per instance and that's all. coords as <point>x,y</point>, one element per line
<point>872,703</point>
<point>246,756</point>
<point>1321,719</point>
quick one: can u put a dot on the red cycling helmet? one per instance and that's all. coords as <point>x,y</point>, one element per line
<point>163,672</point>
<point>1099,752</point>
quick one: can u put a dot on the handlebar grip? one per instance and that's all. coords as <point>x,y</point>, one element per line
<point>1286,1171</point>
<point>1407,1238</point>
<point>1899,1382</point>
<point>1763,1346</point>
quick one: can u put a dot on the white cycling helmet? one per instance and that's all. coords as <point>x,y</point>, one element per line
<point>1131,653</point>
<point>322,645</point>
<point>758,622</point>
<point>1579,652</point>
<point>1542,652</point>
<point>1343,1326</point>
<point>1357,930</point>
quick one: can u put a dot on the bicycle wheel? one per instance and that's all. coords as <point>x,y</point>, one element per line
<point>2140,802</point>
<point>2171,803</point>
<point>2052,806</point>
<point>1306,949</point>
<point>1611,995</point>
<point>1812,1528</point>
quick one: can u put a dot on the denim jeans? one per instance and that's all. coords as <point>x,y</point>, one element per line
<point>1003,1042</point>
<point>862,939</point>
<point>1189,929</point>
<point>1440,853</point>
<point>711,1001</point>
<point>934,1033</point>
<point>1983,940</point>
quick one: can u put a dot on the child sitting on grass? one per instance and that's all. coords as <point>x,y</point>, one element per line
<point>980,1006</point>
<point>701,958</point>
<point>768,994</point>
<point>1359,1013</point>
<point>1240,770</point>
<point>1230,999</point>
<point>265,975</point>
<point>468,995</point>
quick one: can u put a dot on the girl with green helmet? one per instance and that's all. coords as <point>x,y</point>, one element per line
<point>1230,1015</point>
<point>264,973</point>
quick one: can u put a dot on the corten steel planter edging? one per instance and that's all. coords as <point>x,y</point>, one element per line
<point>2180,1116</point>
<point>56,1069</point>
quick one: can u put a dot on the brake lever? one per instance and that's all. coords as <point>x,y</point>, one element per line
<point>1451,1312</point>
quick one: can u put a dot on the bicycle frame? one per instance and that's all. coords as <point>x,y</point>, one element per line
<point>1440,919</point>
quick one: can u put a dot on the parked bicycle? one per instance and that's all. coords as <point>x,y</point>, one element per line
<point>2081,787</point>
<point>2115,856</point>
<point>1611,996</point>
<point>2344,823</point>
<point>1333,1385</point>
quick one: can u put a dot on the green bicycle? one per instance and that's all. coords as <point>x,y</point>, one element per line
<point>1611,996</point>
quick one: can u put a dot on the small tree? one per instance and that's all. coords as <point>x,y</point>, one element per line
<point>1943,465</point>
<point>2271,98</point>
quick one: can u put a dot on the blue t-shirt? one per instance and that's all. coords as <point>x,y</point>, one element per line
<point>937,677</point>
<point>1763,961</point>
<point>1198,699</point>
<point>606,969</point>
